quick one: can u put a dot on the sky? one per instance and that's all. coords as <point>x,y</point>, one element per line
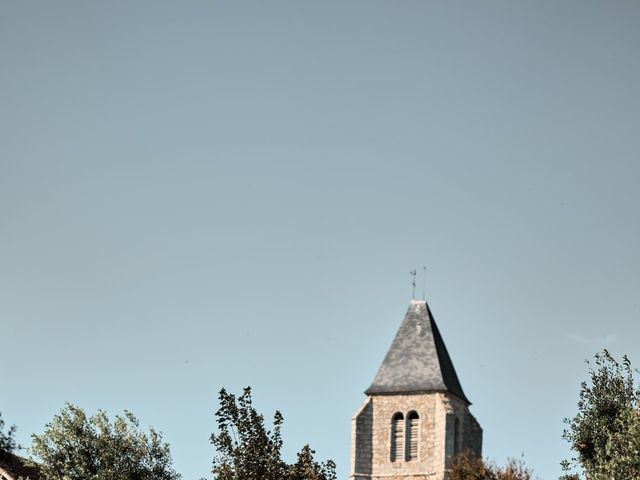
<point>206,194</point>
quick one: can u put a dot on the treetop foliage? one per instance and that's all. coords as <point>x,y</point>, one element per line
<point>469,467</point>
<point>247,450</point>
<point>605,434</point>
<point>75,446</point>
<point>7,440</point>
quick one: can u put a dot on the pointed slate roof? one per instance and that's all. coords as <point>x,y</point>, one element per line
<point>417,360</point>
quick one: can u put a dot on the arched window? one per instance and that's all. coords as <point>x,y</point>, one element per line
<point>397,437</point>
<point>456,436</point>
<point>413,436</point>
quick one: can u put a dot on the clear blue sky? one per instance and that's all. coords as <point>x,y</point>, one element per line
<point>198,194</point>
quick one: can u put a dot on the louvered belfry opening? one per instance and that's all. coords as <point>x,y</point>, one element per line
<point>413,436</point>
<point>397,437</point>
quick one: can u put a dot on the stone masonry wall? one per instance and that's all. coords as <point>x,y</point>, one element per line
<point>361,440</point>
<point>371,436</point>
<point>472,436</point>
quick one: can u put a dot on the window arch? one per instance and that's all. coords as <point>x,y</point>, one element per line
<point>397,436</point>
<point>413,436</point>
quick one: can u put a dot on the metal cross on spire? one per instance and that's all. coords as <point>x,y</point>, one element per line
<point>424,283</point>
<point>413,282</point>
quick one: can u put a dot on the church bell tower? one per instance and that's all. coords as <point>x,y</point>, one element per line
<point>416,417</point>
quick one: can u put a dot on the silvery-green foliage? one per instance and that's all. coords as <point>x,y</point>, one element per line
<point>75,446</point>
<point>605,434</point>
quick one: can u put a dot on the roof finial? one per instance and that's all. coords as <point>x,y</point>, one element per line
<point>424,283</point>
<point>413,282</point>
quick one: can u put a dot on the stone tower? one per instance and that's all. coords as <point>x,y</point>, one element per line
<point>416,417</point>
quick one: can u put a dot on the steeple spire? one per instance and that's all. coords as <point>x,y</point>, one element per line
<point>417,361</point>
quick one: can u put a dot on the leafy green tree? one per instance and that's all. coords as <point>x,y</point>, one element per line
<point>7,440</point>
<point>75,446</point>
<point>605,434</point>
<point>247,450</point>
<point>469,467</point>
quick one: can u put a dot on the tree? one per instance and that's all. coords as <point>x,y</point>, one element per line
<point>77,447</point>
<point>247,450</point>
<point>468,467</point>
<point>306,468</point>
<point>7,440</point>
<point>605,433</point>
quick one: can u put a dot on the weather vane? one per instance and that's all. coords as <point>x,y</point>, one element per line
<point>413,281</point>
